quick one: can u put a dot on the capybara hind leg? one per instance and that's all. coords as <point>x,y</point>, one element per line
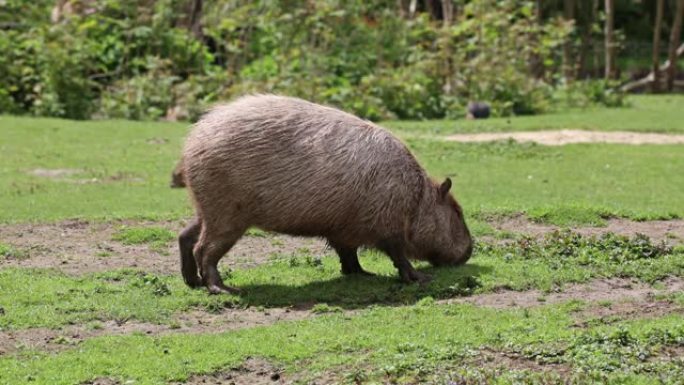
<point>186,243</point>
<point>209,251</point>
<point>397,252</point>
<point>348,259</point>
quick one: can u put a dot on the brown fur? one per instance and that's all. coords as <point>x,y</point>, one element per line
<point>286,165</point>
<point>177,178</point>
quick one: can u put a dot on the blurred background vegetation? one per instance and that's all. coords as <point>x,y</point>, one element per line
<point>406,59</point>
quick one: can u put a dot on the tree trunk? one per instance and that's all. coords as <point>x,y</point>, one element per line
<point>596,65</point>
<point>610,40</point>
<point>196,19</point>
<point>655,86</point>
<point>586,45</point>
<point>569,16</point>
<point>536,64</point>
<point>674,43</point>
<point>413,6</point>
<point>447,12</point>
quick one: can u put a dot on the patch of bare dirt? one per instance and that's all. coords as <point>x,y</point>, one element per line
<point>55,173</point>
<point>79,247</point>
<point>611,312</point>
<point>261,372</point>
<point>102,381</point>
<point>672,353</point>
<point>254,371</point>
<point>67,175</point>
<point>616,289</point>
<point>670,231</point>
<point>493,359</point>
<point>563,137</point>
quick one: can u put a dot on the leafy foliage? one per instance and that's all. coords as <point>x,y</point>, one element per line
<point>138,59</point>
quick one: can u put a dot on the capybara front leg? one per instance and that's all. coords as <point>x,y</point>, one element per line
<point>186,243</point>
<point>397,252</point>
<point>349,259</point>
<point>210,250</point>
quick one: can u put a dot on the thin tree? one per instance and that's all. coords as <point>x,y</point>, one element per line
<point>594,46</point>
<point>569,16</point>
<point>585,24</point>
<point>610,39</point>
<point>655,86</point>
<point>448,14</point>
<point>196,19</point>
<point>674,43</point>
<point>536,63</point>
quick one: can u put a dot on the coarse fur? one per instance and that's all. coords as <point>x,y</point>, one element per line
<point>177,178</point>
<point>290,166</point>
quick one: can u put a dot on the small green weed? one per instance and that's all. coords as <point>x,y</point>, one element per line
<point>8,251</point>
<point>254,232</point>
<point>322,308</point>
<point>156,237</point>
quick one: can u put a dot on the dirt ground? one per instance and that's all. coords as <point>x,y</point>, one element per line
<point>80,247</point>
<point>196,321</point>
<point>670,231</point>
<point>595,291</point>
<point>562,137</point>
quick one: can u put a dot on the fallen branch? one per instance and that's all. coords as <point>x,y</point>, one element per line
<point>648,79</point>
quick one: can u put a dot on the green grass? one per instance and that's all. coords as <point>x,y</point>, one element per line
<point>646,113</point>
<point>566,185</point>
<point>412,343</point>
<point>154,235</point>
<point>9,251</point>
<point>131,165</point>
<point>125,169</point>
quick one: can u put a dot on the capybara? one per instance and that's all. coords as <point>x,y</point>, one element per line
<point>290,166</point>
<point>177,180</point>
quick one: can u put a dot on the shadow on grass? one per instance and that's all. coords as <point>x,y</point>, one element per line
<point>351,292</point>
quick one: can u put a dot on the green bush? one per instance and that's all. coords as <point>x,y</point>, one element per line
<point>127,59</point>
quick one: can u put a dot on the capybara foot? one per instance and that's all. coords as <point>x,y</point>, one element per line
<point>220,288</point>
<point>193,281</point>
<point>412,276</point>
<point>357,272</point>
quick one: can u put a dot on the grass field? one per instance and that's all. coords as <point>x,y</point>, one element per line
<point>90,294</point>
<point>122,169</point>
<point>645,113</point>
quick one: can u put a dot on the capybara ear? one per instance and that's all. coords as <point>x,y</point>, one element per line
<point>445,187</point>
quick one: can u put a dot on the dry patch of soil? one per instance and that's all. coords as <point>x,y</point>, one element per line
<point>67,175</point>
<point>670,231</point>
<point>562,137</point>
<point>616,289</point>
<point>254,371</point>
<point>79,247</point>
<point>618,311</point>
<point>55,173</point>
<point>506,361</point>
<point>102,381</point>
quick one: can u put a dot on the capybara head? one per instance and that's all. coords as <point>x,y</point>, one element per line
<point>444,238</point>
